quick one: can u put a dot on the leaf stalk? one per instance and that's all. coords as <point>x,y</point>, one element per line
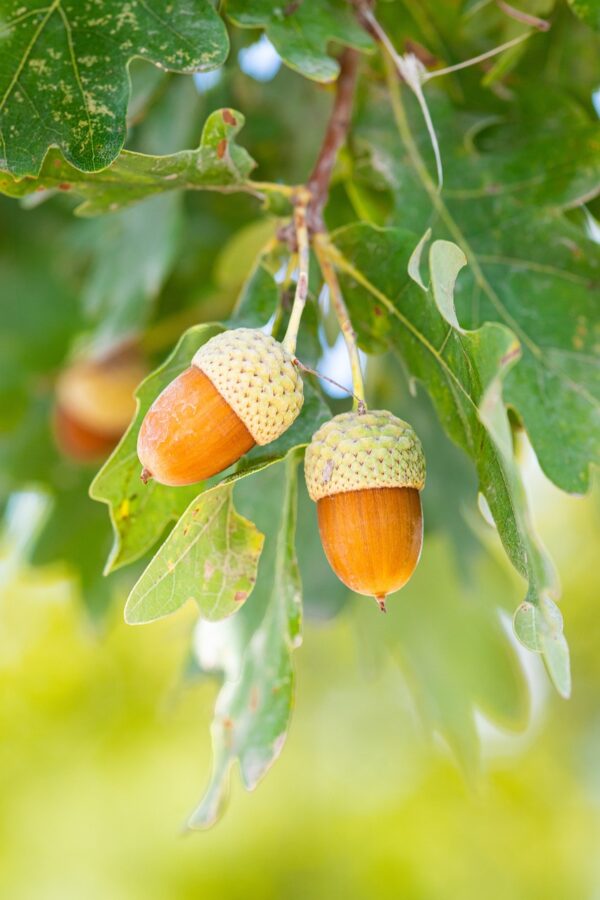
<point>321,244</point>
<point>303,198</point>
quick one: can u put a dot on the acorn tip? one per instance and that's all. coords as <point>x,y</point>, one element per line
<point>381,603</point>
<point>146,475</point>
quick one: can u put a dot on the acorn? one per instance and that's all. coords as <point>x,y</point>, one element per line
<point>364,470</point>
<point>242,389</point>
<point>95,403</point>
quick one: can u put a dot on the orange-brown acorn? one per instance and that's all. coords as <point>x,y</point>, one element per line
<point>95,403</point>
<point>364,470</point>
<point>242,389</point>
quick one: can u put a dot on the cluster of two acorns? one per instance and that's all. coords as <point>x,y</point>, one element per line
<point>364,469</point>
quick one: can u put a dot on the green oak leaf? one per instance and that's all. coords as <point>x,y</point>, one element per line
<point>530,268</point>
<point>64,80</point>
<point>300,32</point>
<point>217,164</point>
<point>543,281</point>
<point>140,513</point>
<point>461,370</point>
<point>211,556</point>
<point>253,709</point>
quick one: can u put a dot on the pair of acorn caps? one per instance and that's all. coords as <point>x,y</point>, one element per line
<point>363,469</point>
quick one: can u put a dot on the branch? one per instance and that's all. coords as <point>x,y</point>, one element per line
<point>335,135</point>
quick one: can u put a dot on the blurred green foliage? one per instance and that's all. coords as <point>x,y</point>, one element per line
<point>102,748</point>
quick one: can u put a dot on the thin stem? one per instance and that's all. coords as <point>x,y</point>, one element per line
<point>274,187</point>
<point>360,404</point>
<point>371,25</point>
<point>413,72</point>
<point>523,17</point>
<point>302,243</point>
<point>477,59</point>
<point>320,244</point>
<point>441,208</point>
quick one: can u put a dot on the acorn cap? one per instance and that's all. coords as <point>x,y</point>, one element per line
<point>257,377</point>
<point>356,451</point>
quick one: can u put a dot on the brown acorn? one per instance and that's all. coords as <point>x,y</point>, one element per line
<point>365,471</point>
<point>95,403</point>
<point>242,389</point>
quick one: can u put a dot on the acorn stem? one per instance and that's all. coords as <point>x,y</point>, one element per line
<point>302,242</point>
<point>320,244</point>
<point>359,404</point>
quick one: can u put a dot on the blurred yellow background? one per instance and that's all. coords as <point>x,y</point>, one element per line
<point>105,751</point>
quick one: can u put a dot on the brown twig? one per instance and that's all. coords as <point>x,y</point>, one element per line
<point>335,135</point>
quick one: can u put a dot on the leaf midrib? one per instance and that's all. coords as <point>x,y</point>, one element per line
<point>192,543</point>
<point>437,202</point>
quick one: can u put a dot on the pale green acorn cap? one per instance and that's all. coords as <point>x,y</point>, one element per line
<point>354,452</point>
<point>256,377</point>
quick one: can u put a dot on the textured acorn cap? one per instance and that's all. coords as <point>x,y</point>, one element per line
<point>257,378</point>
<point>354,452</point>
